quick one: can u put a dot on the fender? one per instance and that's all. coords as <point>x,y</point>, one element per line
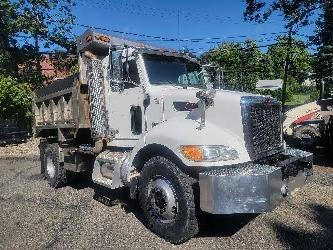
<point>168,136</point>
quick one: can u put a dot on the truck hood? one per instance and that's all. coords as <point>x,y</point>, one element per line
<point>226,112</point>
<point>170,94</point>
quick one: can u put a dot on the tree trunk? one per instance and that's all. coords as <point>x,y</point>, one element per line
<point>286,70</point>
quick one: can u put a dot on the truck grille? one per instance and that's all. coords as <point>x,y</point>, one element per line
<point>262,125</point>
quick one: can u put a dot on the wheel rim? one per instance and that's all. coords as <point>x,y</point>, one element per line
<point>162,200</point>
<point>50,167</point>
<point>307,138</point>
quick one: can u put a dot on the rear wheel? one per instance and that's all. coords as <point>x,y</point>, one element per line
<point>167,200</point>
<point>54,170</point>
<point>42,147</point>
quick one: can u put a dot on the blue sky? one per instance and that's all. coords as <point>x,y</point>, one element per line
<point>197,19</point>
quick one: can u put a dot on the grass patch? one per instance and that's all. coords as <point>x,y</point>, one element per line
<point>299,99</point>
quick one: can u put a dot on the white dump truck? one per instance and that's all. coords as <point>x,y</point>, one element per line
<point>149,120</point>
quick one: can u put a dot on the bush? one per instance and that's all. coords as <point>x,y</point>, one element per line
<point>15,101</point>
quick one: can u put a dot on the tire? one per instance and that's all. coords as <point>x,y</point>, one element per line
<point>328,137</point>
<point>167,199</point>
<point>54,170</point>
<point>307,136</point>
<point>42,147</point>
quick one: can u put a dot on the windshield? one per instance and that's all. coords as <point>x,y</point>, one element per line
<point>173,71</point>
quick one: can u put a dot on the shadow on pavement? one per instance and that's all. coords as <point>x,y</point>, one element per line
<point>80,180</point>
<point>210,225</point>
<point>321,238</point>
<point>223,225</point>
<point>322,158</point>
<point>118,197</point>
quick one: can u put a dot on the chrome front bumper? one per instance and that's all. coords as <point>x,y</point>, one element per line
<point>254,187</point>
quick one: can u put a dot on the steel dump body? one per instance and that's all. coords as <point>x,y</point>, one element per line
<point>62,104</point>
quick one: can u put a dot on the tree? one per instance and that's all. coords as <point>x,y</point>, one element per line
<point>8,49</point>
<point>25,27</point>
<point>324,39</point>
<point>295,13</point>
<point>28,25</point>
<point>241,64</point>
<point>15,100</point>
<point>300,62</point>
<point>244,64</point>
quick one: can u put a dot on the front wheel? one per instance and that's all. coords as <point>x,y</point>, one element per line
<point>167,200</point>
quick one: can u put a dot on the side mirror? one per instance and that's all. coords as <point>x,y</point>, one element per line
<point>213,76</point>
<point>146,100</point>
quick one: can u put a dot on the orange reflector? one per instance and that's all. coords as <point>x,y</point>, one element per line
<point>193,153</point>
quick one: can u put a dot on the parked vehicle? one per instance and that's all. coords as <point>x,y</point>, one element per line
<point>308,125</point>
<point>148,119</point>
<point>10,132</point>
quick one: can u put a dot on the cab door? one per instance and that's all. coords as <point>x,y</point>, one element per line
<point>126,107</point>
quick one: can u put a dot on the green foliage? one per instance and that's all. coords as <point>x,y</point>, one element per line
<point>241,64</point>
<point>298,99</point>
<point>15,100</point>
<point>244,64</point>
<point>308,94</point>
<point>5,57</point>
<point>44,23</point>
<point>324,59</point>
<point>273,93</point>
<point>300,62</point>
<point>294,12</point>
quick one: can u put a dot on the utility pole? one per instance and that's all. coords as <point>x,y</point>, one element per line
<point>286,69</point>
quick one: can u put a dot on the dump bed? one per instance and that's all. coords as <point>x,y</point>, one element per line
<point>61,104</point>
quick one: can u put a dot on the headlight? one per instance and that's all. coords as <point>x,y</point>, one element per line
<point>208,153</point>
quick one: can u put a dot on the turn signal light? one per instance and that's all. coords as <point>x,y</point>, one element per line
<point>193,153</point>
<point>208,152</point>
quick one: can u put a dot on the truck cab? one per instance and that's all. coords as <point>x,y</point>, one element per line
<point>151,120</point>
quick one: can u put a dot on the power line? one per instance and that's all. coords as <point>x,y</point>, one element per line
<point>207,40</point>
<point>247,48</point>
<point>174,39</point>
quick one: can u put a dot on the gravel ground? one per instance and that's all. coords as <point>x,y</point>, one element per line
<point>34,216</point>
<point>27,149</point>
